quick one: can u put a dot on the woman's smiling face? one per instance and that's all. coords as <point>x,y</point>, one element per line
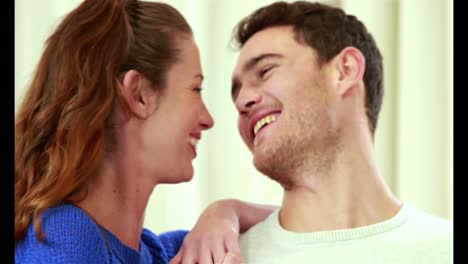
<point>181,115</point>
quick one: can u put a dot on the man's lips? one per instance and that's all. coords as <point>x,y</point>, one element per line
<point>256,117</point>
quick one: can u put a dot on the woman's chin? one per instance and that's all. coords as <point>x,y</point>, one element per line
<point>181,178</point>
<point>186,178</point>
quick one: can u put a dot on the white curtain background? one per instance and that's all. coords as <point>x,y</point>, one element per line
<point>414,140</point>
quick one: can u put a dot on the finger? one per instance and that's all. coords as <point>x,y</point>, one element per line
<point>189,256</point>
<point>177,258</point>
<point>205,255</point>
<point>232,244</point>
<point>232,258</point>
<point>218,251</point>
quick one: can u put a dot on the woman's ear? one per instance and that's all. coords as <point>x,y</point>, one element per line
<point>351,65</point>
<point>139,94</point>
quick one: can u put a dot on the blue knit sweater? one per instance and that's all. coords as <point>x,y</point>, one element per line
<point>71,236</point>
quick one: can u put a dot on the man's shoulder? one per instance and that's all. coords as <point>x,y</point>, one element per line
<point>423,238</point>
<point>428,224</point>
<point>269,223</point>
<point>262,232</point>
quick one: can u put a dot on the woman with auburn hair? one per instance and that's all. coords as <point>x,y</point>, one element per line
<point>113,110</point>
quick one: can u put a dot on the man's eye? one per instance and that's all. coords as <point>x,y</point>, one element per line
<point>264,71</point>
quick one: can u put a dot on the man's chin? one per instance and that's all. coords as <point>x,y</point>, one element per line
<point>273,169</point>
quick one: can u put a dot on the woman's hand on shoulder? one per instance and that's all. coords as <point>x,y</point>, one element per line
<point>214,238</point>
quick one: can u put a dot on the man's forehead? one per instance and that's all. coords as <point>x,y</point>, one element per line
<point>273,40</point>
<point>268,40</point>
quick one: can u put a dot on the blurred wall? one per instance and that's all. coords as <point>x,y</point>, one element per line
<point>414,138</point>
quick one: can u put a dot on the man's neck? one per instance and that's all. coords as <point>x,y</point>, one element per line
<point>351,193</point>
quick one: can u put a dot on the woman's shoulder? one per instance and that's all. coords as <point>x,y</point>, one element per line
<point>65,212</point>
<point>70,236</point>
<point>66,219</point>
<point>169,237</point>
<point>167,242</point>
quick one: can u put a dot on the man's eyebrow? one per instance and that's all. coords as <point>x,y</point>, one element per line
<point>249,65</point>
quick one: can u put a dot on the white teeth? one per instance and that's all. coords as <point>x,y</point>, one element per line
<point>193,141</point>
<point>264,121</point>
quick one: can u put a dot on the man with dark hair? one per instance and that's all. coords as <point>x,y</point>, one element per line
<point>308,88</point>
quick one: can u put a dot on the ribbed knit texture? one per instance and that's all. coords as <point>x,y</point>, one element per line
<point>411,236</point>
<point>71,236</point>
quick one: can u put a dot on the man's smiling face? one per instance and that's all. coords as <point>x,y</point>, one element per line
<point>283,101</point>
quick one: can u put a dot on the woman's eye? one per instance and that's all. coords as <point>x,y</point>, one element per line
<point>198,89</point>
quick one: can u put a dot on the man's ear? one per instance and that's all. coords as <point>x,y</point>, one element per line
<point>139,95</point>
<point>351,65</point>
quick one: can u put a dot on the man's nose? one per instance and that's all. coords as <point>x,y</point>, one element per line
<point>246,99</point>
